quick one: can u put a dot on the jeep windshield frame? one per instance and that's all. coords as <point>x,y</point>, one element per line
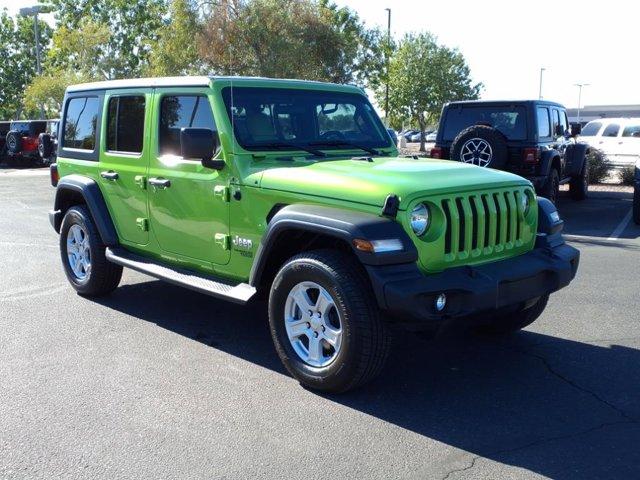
<point>510,120</point>
<point>304,119</point>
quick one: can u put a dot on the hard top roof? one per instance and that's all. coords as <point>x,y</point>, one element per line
<point>504,102</point>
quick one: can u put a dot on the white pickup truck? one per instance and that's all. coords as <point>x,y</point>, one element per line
<point>617,138</point>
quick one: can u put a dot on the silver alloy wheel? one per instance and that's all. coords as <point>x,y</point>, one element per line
<point>313,324</point>
<point>476,151</point>
<point>78,252</point>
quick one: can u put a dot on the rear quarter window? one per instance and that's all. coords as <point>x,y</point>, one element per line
<point>544,130</point>
<point>81,123</point>
<point>631,131</point>
<point>509,120</point>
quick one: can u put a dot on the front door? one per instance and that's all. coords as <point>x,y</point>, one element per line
<point>124,159</point>
<point>188,203</point>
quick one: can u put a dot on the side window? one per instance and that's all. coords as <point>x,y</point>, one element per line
<point>80,125</point>
<point>631,131</point>
<point>611,130</point>
<point>544,130</point>
<point>556,122</point>
<point>125,124</point>
<point>177,112</point>
<point>564,122</point>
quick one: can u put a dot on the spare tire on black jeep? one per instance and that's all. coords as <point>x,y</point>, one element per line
<point>45,146</point>
<point>14,142</point>
<point>480,145</point>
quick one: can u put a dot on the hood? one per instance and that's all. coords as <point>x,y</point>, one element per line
<point>371,182</point>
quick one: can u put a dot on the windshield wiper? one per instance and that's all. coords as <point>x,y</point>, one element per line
<point>345,143</point>
<point>312,151</point>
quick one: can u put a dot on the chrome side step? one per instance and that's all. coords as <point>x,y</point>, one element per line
<point>239,293</point>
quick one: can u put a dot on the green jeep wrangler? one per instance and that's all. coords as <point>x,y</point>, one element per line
<point>237,186</point>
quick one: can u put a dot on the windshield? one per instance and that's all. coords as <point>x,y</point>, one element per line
<point>275,119</point>
<point>509,120</point>
<point>591,129</point>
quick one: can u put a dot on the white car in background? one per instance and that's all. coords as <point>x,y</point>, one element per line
<point>617,138</point>
<point>431,138</point>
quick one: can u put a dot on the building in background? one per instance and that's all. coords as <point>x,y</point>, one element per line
<point>593,112</point>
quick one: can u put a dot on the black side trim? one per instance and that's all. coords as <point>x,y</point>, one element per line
<point>92,195</point>
<point>345,225</point>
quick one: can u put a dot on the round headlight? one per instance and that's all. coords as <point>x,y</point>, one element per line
<point>526,203</point>
<point>419,219</point>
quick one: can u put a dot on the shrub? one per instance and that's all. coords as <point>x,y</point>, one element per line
<point>599,166</point>
<point>627,175</point>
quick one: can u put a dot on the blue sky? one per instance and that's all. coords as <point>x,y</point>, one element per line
<point>507,42</point>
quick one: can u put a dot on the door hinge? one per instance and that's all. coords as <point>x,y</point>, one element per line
<point>143,224</point>
<point>141,181</point>
<point>222,192</point>
<point>222,239</point>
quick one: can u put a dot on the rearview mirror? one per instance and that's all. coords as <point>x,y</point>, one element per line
<point>200,143</point>
<point>576,129</point>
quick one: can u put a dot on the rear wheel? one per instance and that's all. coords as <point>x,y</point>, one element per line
<point>325,322</point>
<point>83,257</point>
<point>505,323</point>
<point>551,189</point>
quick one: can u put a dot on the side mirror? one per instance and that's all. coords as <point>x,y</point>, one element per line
<point>559,130</point>
<point>576,129</point>
<point>200,143</point>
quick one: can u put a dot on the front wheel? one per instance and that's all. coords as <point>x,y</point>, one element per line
<point>325,322</point>
<point>579,186</point>
<point>551,189</point>
<point>504,323</point>
<point>83,255</point>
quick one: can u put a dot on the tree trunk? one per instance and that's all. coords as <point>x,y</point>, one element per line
<point>423,126</point>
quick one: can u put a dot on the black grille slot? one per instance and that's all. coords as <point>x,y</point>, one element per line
<point>498,219</point>
<point>474,231</point>
<point>447,234</point>
<point>487,220</point>
<point>508,204</point>
<point>463,223</point>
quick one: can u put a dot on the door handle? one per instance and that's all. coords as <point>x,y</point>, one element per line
<point>110,175</point>
<point>160,182</point>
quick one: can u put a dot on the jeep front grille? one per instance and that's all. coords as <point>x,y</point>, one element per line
<point>482,224</point>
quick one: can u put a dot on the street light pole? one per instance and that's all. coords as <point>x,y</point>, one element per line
<point>33,11</point>
<point>386,95</point>
<point>542,69</point>
<point>580,85</point>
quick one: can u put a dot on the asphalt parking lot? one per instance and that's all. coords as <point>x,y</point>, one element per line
<point>159,382</point>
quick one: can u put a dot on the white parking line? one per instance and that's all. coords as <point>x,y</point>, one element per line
<point>24,173</point>
<point>621,226</point>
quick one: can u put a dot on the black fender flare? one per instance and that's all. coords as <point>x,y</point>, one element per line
<point>90,192</point>
<point>575,156</point>
<point>345,225</point>
<point>548,156</point>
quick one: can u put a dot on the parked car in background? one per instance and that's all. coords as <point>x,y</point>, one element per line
<point>617,138</point>
<point>636,194</point>
<point>48,142</point>
<point>393,135</point>
<point>431,137</point>
<point>22,142</point>
<point>531,138</point>
<point>416,136</point>
<point>4,129</point>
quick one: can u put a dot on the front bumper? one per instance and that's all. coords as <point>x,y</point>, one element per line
<point>409,295</point>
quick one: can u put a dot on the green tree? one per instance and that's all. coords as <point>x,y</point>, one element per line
<point>175,52</point>
<point>423,76</point>
<point>306,39</point>
<point>133,27</point>
<point>18,65</point>
<point>47,90</point>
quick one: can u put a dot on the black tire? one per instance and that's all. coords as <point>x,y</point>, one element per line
<point>501,324</point>
<point>366,338</point>
<point>14,141</point>
<point>495,139</point>
<point>103,276</point>
<point>551,189</point>
<point>45,146</point>
<point>579,186</point>
<point>636,203</point>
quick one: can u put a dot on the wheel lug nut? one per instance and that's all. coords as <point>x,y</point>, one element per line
<point>319,315</point>
<point>315,334</point>
<point>310,313</point>
<point>308,325</point>
<point>324,328</point>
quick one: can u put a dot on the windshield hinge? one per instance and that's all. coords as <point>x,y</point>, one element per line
<point>221,192</point>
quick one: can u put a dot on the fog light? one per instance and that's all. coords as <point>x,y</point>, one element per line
<point>441,302</point>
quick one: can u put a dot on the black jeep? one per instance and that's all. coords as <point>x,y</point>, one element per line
<point>531,138</point>
<point>22,142</point>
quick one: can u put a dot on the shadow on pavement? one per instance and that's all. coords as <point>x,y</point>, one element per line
<point>599,215</point>
<point>560,408</point>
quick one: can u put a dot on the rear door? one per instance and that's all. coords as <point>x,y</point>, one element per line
<point>124,159</point>
<point>608,142</point>
<point>190,213</point>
